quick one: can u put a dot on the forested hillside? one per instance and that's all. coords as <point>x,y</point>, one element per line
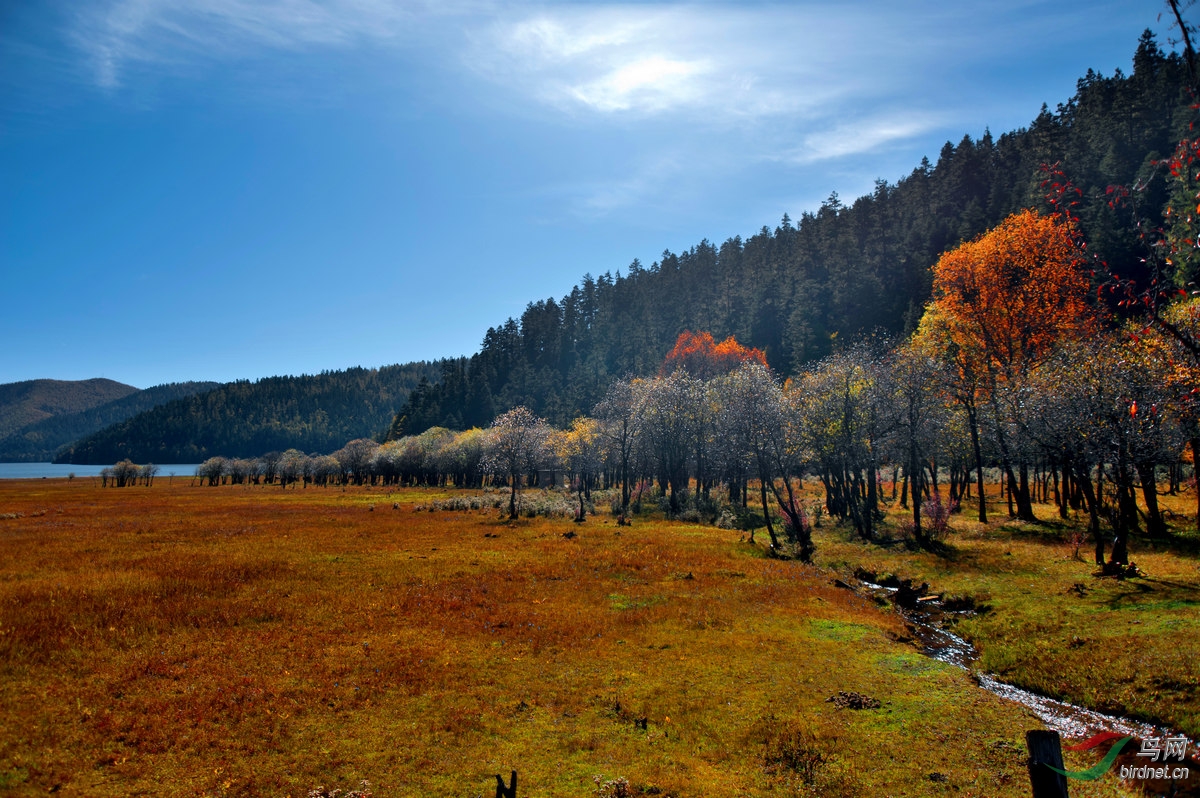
<point>41,441</point>
<point>797,292</point>
<point>315,413</point>
<point>32,401</point>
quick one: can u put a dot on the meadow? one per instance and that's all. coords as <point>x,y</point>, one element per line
<point>253,640</point>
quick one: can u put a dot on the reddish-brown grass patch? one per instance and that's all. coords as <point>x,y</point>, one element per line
<point>260,641</point>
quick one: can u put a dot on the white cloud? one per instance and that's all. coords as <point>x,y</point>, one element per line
<point>550,40</point>
<point>859,137</point>
<point>703,92</point>
<point>722,63</point>
<point>127,33</point>
<point>653,83</point>
<point>701,89</point>
<point>649,59</point>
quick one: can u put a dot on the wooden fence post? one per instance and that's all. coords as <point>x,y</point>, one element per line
<point>506,792</point>
<point>1045,748</point>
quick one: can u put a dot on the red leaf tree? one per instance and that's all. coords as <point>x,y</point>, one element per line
<point>703,358</point>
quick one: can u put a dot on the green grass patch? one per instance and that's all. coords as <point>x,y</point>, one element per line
<point>911,664</point>
<point>840,631</point>
<point>623,603</point>
<point>1122,646</point>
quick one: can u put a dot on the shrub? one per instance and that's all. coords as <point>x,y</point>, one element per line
<point>800,529</point>
<point>803,758</point>
<point>937,516</point>
<point>935,519</point>
<point>615,788</point>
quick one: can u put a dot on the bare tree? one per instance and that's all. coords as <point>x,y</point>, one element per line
<point>617,413</point>
<point>211,470</point>
<point>915,384</point>
<point>355,458</point>
<point>291,467</point>
<point>669,417</point>
<point>515,446</point>
<point>750,417</point>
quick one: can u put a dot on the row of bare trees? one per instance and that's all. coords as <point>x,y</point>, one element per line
<point>1099,425</point>
<point>352,464</point>
<point>1089,428</point>
<point>1012,367</point>
<point>127,473</point>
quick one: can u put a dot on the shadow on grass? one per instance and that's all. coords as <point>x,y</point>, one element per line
<point>1174,542</point>
<point>892,538</point>
<point>1058,530</point>
<point>943,549</point>
<point>1180,586</point>
<point>1145,592</point>
<point>1045,530</point>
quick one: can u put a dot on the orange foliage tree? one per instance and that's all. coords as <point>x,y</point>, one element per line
<point>1012,294</point>
<point>1001,304</point>
<point>703,358</point>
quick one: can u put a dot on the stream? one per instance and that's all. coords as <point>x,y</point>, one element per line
<point>924,616</point>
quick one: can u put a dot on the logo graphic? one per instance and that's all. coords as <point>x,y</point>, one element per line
<point>1152,747</point>
<point>1101,767</point>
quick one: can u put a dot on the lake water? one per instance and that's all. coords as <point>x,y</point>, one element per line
<point>55,471</point>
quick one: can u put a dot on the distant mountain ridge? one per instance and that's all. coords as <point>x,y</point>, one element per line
<point>313,413</point>
<point>25,403</point>
<point>41,441</point>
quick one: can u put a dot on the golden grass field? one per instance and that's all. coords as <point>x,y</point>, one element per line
<point>183,640</point>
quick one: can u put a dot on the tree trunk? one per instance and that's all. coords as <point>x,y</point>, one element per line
<point>860,514</point>
<point>1195,444</point>
<point>872,500</point>
<point>624,484</point>
<point>916,473</point>
<point>1058,496</point>
<point>1093,507</point>
<point>1126,513</point>
<point>674,483</point>
<point>1010,481</point>
<point>1155,525</point>
<point>973,423</point>
<point>798,523</point>
<point>1024,504</point>
<point>766,513</point>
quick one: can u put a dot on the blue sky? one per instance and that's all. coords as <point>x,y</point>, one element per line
<point>233,189</point>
